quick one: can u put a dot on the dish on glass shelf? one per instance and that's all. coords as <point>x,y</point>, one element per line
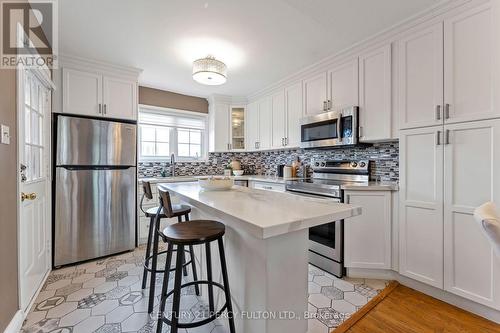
<point>216,183</point>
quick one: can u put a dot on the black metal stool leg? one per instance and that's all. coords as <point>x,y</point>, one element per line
<point>209,278</point>
<point>226,286</point>
<point>184,268</point>
<point>154,265</point>
<point>177,290</point>
<point>148,250</point>
<point>164,289</point>
<point>193,263</point>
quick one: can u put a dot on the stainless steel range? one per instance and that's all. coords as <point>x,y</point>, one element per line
<point>326,248</point>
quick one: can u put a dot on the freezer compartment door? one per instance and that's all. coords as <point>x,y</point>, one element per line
<point>95,213</point>
<point>92,142</point>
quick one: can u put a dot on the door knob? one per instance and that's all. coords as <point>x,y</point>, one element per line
<point>29,196</point>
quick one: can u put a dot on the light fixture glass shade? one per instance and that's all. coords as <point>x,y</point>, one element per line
<point>209,71</point>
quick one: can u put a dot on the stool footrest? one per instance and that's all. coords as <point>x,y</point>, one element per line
<point>149,269</point>
<point>205,321</point>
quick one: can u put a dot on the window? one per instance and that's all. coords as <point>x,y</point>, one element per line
<point>163,132</point>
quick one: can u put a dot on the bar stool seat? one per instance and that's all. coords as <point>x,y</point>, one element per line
<point>177,210</point>
<point>186,235</point>
<point>194,232</point>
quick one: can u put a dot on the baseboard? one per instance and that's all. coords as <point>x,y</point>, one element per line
<point>458,301</point>
<point>442,295</point>
<point>16,323</point>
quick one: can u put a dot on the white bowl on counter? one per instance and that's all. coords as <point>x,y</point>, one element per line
<point>216,183</point>
<point>238,172</point>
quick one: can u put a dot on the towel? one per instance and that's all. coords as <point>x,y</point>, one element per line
<point>489,222</point>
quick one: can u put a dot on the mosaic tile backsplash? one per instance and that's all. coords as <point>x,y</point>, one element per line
<point>384,159</point>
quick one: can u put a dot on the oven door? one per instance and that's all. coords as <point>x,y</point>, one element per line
<point>326,239</point>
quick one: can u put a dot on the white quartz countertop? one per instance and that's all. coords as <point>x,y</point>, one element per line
<point>262,213</point>
<point>179,179</point>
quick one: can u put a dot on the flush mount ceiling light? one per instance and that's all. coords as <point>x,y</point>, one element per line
<point>209,71</point>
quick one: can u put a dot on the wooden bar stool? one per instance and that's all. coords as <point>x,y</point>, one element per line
<point>188,234</point>
<point>165,210</point>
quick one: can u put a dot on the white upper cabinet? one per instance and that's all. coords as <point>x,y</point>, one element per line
<point>368,236</point>
<point>421,78</point>
<point>471,70</point>
<point>421,205</point>
<point>375,95</point>
<point>238,117</point>
<point>315,94</point>
<point>252,126</point>
<point>471,178</point>
<point>82,92</point>
<point>119,98</point>
<point>343,85</point>
<point>98,94</point>
<point>219,127</point>
<point>293,102</point>
<point>265,123</point>
<point>279,124</point>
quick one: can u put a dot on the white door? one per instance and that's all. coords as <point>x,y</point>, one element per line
<point>375,94</point>
<point>368,236</point>
<point>471,65</point>
<point>34,226</point>
<point>343,85</point>
<point>221,127</point>
<point>315,89</point>
<point>252,125</point>
<point>421,205</point>
<point>265,123</point>
<point>82,92</point>
<point>421,78</point>
<point>471,178</point>
<point>293,104</point>
<point>119,98</point>
<point>278,111</point>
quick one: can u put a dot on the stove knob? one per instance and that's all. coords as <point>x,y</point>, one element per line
<point>316,164</point>
<point>362,164</point>
<point>323,164</point>
<point>354,164</point>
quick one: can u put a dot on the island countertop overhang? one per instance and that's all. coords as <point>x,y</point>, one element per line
<point>261,213</point>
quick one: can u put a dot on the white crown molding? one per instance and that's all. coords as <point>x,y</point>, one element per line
<point>68,60</point>
<point>216,98</point>
<point>388,35</point>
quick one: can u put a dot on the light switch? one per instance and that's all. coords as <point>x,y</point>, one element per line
<point>5,134</point>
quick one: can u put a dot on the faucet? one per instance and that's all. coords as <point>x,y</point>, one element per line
<point>172,165</point>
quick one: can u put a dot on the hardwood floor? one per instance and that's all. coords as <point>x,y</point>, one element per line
<point>409,311</point>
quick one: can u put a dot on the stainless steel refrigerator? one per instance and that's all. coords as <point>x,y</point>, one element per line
<point>95,188</point>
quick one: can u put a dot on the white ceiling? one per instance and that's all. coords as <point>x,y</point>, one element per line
<point>261,41</point>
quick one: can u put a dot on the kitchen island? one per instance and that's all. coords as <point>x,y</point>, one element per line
<point>266,245</point>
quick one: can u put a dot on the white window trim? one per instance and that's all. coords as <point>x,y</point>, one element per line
<point>173,138</point>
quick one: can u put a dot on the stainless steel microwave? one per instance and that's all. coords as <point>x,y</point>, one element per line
<point>330,129</point>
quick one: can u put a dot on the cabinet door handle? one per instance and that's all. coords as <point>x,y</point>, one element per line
<point>324,105</point>
<point>286,141</point>
<point>447,111</point>
<point>438,112</point>
<point>447,137</point>
<point>100,108</point>
<point>360,130</point>
<point>104,108</point>
<point>329,104</point>
<point>282,141</point>
<point>438,138</point>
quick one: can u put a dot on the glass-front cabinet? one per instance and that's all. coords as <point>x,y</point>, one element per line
<point>237,133</point>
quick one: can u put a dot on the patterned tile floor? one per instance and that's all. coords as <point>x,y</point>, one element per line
<point>105,296</point>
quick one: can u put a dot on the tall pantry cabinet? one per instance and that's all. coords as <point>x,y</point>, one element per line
<point>449,152</point>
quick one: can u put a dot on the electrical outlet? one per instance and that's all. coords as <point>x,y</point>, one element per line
<point>5,134</point>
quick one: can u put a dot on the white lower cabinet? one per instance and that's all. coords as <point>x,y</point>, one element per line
<point>260,185</point>
<point>445,173</point>
<point>471,178</point>
<point>368,236</point>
